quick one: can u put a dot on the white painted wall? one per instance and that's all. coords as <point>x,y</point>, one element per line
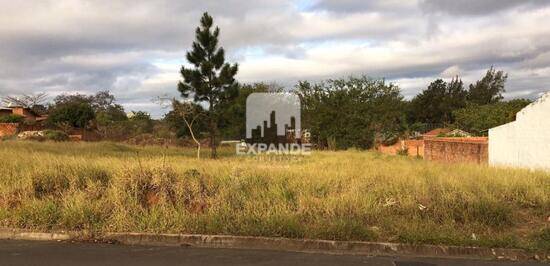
<point>525,142</point>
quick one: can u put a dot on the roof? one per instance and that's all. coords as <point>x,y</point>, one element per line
<point>10,108</point>
<point>460,132</point>
<point>437,131</point>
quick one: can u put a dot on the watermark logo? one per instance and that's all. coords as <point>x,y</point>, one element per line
<point>273,125</point>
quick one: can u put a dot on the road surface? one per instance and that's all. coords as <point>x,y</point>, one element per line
<point>13,252</point>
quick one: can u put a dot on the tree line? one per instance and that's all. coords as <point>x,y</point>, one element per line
<point>343,113</point>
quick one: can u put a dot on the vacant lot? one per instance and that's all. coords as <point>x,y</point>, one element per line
<point>351,195</point>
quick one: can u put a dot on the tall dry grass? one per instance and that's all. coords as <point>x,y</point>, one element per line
<point>349,195</point>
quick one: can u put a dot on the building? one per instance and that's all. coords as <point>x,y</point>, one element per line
<point>526,141</point>
<point>32,119</point>
<point>27,113</point>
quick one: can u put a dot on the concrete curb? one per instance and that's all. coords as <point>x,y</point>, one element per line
<point>19,234</point>
<point>324,246</point>
<point>284,244</point>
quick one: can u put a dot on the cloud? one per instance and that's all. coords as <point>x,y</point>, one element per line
<point>135,49</point>
<point>476,7</point>
<point>452,72</point>
<point>353,6</point>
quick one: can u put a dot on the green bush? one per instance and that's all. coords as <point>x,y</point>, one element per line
<point>56,135</point>
<point>11,119</point>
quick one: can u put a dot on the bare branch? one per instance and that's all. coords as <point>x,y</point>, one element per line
<point>25,100</point>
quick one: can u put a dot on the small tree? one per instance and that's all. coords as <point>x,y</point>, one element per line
<point>210,80</point>
<point>189,113</point>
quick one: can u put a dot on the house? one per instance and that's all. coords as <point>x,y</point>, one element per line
<point>526,141</point>
<point>27,113</point>
<point>31,118</point>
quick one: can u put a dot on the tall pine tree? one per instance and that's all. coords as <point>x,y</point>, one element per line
<point>210,80</point>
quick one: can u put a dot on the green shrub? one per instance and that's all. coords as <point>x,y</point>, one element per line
<point>56,135</point>
<point>11,119</point>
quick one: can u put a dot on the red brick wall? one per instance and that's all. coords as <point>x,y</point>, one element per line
<point>456,150</point>
<point>8,129</point>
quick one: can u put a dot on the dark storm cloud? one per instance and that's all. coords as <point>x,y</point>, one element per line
<point>477,7</point>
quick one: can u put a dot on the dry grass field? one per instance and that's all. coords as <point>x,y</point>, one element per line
<point>348,195</point>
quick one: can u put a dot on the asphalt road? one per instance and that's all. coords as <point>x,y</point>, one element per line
<point>14,252</point>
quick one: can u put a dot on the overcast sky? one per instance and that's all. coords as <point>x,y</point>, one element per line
<point>135,48</point>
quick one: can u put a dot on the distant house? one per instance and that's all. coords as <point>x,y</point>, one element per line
<point>25,112</point>
<point>436,132</point>
<point>31,118</point>
<point>459,133</point>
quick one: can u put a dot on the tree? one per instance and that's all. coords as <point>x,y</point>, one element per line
<point>233,118</point>
<point>189,113</point>
<point>456,97</point>
<point>478,119</point>
<point>428,106</point>
<point>108,115</point>
<point>210,80</point>
<point>140,122</point>
<point>489,89</point>
<point>351,112</point>
<point>74,114</point>
<point>436,104</point>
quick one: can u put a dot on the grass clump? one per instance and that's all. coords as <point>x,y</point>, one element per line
<point>42,214</point>
<point>348,195</point>
<point>49,184</point>
<point>55,135</point>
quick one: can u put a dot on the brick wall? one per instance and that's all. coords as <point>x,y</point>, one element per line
<point>8,129</point>
<point>457,150</point>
